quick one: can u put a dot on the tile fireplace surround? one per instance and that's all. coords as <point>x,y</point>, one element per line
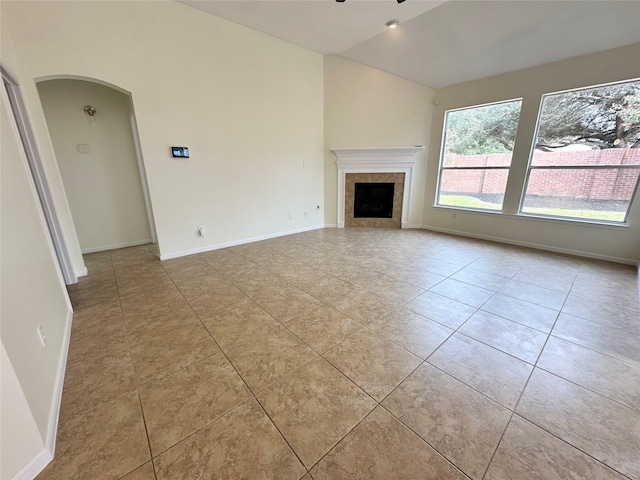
<point>364,161</point>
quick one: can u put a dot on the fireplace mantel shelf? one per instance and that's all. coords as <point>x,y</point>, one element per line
<point>376,160</point>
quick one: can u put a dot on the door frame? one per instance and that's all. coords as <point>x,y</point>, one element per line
<point>19,111</point>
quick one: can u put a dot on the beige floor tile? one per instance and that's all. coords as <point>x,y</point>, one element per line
<point>96,315</point>
<point>314,408</point>
<point>504,266</point>
<point>458,256</point>
<point>599,427</point>
<point>98,262</point>
<point>362,306</point>
<point>184,401</point>
<point>513,338</point>
<point>533,294</point>
<point>392,290</point>
<point>609,340</point>
<point>529,314</point>
<point>192,389</point>
<point>209,282</point>
<point>287,304</point>
<point>446,311</point>
<point>498,375</point>
<point>125,257</point>
<point>327,289</point>
<point>463,292</point>
<point>138,285</point>
<point>415,276</point>
<point>527,451</point>
<point>87,297</point>
<point>411,331</point>
<point>600,311</point>
<point>108,337</point>
<point>243,445</point>
<point>265,358</point>
<point>90,384</point>
<point>323,328</point>
<point>382,448</point>
<point>106,443</point>
<point>600,373</point>
<point>159,356</point>
<point>158,320</point>
<point>433,265</point>
<point>97,279</point>
<point>551,279</point>
<point>373,363</point>
<point>139,304</point>
<point>488,281</point>
<point>460,423</point>
<point>145,472</point>
<point>238,323</point>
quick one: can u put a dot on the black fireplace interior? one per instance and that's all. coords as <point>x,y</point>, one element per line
<point>373,200</point>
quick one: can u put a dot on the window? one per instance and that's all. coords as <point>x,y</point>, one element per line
<point>476,155</point>
<point>585,162</point>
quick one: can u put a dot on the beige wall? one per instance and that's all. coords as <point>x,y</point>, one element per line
<point>103,186</point>
<point>20,440</point>
<point>622,243</point>
<point>365,107</point>
<point>33,294</point>
<point>249,107</point>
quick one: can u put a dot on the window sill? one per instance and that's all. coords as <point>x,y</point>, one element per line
<point>538,218</point>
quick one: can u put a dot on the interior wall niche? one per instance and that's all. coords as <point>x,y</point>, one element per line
<point>349,195</point>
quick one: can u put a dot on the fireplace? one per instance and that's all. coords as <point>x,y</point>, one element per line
<point>373,200</point>
<point>375,166</point>
<point>376,208</point>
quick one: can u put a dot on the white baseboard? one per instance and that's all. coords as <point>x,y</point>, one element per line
<point>35,466</point>
<point>330,225</point>
<point>411,225</point>
<point>82,273</point>
<point>568,251</point>
<point>117,245</point>
<point>218,246</point>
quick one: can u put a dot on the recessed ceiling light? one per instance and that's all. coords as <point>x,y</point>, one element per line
<point>392,24</point>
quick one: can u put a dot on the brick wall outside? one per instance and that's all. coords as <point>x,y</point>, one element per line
<point>600,184</point>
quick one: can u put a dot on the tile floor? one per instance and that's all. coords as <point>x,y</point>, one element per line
<point>352,354</point>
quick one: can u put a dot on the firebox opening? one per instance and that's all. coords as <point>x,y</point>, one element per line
<point>373,200</point>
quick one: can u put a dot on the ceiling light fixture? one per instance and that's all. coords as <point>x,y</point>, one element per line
<point>392,24</point>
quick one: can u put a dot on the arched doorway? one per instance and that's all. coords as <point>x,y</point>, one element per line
<point>94,135</point>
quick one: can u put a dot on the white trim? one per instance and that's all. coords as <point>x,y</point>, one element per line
<point>330,225</point>
<point>117,245</point>
<point>35,466</point>
<point>36,168</point>
<point>218,246</point>
<point>143,174</point>
<point>538,246</point>
<point>82,273</point>
<point>376,160</point>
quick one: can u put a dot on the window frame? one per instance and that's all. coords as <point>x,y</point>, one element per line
<point>530,167</point>
<point>443,143</point>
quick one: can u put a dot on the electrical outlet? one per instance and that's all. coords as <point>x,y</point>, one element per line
<point>202,231</point>
<point>42,336</point>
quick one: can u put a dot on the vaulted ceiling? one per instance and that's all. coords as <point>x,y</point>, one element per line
<point>441,43</point>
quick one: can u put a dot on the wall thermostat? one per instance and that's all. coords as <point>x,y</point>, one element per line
<point>180,152</point>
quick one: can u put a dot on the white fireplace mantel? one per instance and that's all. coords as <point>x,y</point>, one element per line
<point>376,160</point>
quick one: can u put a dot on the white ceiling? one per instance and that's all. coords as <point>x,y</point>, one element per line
<point>441,43</point>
